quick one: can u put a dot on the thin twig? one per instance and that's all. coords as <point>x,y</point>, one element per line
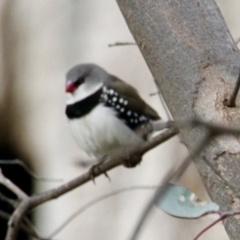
<point>97,200</point>
<point>11,233</point>
<point>9,201</point>
<point>13,204</point>
<point>24,227</point>
<point>222,217</point>
<point>28,170</point>
<point>170,177</point>
<point>117,44</point>
<point>4,215</point>
<point>232,101</point>
<point>15,220</point>
<point>11,186</point>
<point>28,224</point>
<point>154,94</point>
<point>214,128</point>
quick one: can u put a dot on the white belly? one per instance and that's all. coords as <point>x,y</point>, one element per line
<point>100,131</point>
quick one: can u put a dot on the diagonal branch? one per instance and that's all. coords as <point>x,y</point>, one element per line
<point>172,176</point>
<point>28,170</point>
<point>116,159</point>
<point>11,186</point>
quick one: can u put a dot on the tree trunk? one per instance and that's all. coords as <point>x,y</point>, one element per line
<point>195,62</point>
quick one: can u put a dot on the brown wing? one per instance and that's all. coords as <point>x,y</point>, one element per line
<point>135,102</point>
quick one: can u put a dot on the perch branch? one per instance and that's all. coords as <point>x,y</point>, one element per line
<point>116,159</point>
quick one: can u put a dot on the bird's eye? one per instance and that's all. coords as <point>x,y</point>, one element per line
<point>79,81</point>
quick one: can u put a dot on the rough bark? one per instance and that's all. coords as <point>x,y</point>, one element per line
<point>195,62</point>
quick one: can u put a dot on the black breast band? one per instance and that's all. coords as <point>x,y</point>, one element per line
<point>83,107</point>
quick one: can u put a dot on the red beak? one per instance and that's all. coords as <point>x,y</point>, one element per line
<point>70,87</point>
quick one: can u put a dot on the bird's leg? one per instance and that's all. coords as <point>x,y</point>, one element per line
<point>97,168</point>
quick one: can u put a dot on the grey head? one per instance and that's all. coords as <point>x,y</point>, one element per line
<point>90,75</point>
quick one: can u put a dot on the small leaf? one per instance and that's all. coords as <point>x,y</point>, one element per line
<point>178,201</point>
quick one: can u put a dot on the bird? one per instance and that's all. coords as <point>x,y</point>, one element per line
<point>103,111</point>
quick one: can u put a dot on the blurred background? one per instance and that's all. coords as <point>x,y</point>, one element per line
<point>40,41</point>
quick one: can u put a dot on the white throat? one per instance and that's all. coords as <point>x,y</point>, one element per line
<point>82,92</point>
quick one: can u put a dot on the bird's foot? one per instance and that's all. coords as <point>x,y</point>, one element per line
<point>96,168</point>
<point>131,161</point>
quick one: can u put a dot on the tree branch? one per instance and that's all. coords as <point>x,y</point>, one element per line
<point>116,159</point>
<point>172,176</point>
<point>28,170</point>
<point>11,186</point>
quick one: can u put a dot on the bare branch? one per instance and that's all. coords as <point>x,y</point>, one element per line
<point>7,200</point>
<point>14,222</point>
<point>223,215</point>
<point>11,186</point>
<point>115,160</point>
<point>23,226</point>
<point>13,228</point>
<point>28,170</point>
<point>172,176</point>
<point>117,44</point>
